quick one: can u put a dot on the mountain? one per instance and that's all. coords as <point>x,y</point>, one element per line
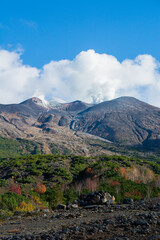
<point>76,106</point>
<point>75,127</point>
<point>36,127</point>
<point>125,120</point>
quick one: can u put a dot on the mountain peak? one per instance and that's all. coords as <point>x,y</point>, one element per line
<point>35,101</point>
<point>76,106</point>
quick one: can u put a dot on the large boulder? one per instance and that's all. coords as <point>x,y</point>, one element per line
<point>95,198</point>
<point>127,201</point>
<point>61,207</point>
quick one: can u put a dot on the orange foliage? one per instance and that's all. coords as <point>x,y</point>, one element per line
<point>40,188</point>
<point>113,183</point>
<point>138,181</point>
<point>25,207</point>
<point>123,172</point>
<point>95,176</point>
<point>88,170</point>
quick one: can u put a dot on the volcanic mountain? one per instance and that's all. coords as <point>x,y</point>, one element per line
<point>124,120</point>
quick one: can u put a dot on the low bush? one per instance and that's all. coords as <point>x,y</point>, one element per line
<point>54,196</point>
<point>40,188</point>
<point>5,213</point>
<point>25,207</point>
<point>3,182</point>
<point>15,189</point>
<point>11,200</point>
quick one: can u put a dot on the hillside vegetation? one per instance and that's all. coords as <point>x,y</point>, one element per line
<point>34,182</point>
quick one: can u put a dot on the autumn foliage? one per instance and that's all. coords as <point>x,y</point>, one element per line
<point>40,188</point>
<point>90,173</point>
<point>88,170</point>
<point>133,194</point>
<point>15,189</point>
<point>123,172</point>
<point>113,183</point>
<point>25,207</point>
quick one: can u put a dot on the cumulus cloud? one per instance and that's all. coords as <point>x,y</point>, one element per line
<point>17,81</point>
<point>90,77</point>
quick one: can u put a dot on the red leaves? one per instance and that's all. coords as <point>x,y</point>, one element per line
<point>113,183</point>
<point>16,189</point>
<point>133,193</point>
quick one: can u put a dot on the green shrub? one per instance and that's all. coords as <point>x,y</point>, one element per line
<point>11,200</point>
<point>70,195</point>
<point>4,213</point>
<point>28,179</point>
<point>3,182</point>
<point>36,172</point>
<point>62,172</point>
<point>54,196</point>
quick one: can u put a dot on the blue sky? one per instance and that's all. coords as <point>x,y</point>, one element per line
<point>60,29</point>
<point>111,49</point>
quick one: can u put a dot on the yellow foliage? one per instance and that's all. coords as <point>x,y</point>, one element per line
<point>114,200</point>
<point>37,200</point>
<point>140,174</point>
<point>25,207</point>
<point>38,203</point>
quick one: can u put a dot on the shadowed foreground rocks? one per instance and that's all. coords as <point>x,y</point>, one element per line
<point>138,220</point>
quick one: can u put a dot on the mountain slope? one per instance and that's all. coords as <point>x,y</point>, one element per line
<point>46,129</point>
<point>124,120</point>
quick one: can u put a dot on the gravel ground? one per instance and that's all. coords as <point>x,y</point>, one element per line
<point>140,220</point>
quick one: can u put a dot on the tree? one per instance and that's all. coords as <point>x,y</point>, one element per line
<point>40,188</point>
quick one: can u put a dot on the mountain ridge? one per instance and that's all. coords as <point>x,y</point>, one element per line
<point>125,120</point>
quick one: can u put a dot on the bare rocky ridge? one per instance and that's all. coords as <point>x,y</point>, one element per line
<point>125,120</point>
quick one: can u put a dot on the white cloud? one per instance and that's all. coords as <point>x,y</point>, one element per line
<point>17,81</point>
<point>89,77</point>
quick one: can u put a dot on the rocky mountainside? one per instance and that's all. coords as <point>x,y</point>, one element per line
<point>124,120</point>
